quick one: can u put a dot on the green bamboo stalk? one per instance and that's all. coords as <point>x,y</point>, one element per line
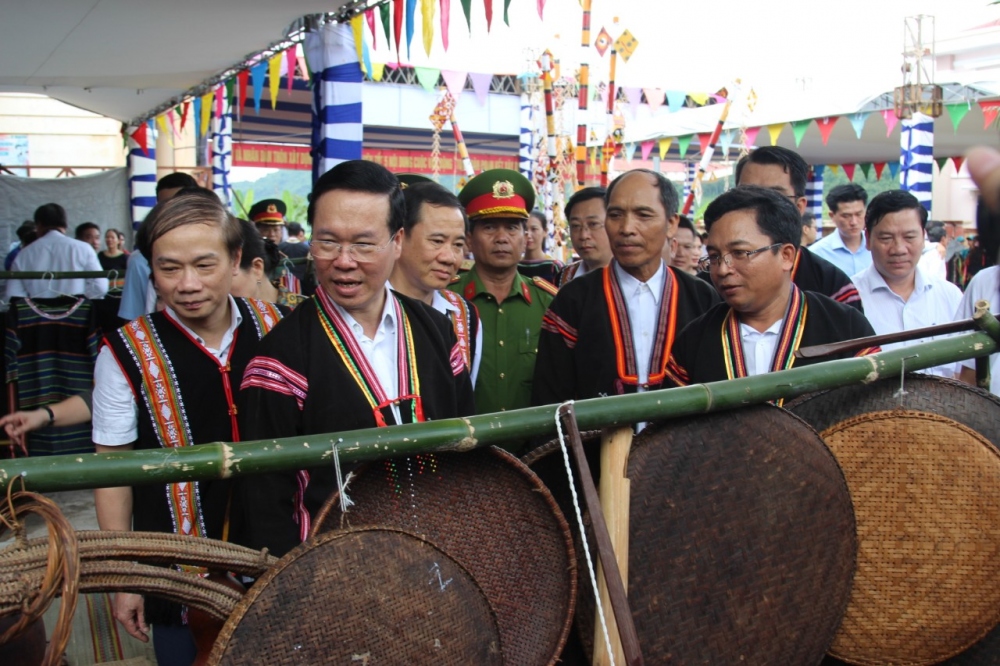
<point>223,460</point>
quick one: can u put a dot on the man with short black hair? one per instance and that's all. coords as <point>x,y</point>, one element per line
<point>753,239</point>
<point>585,214</point>
<point>845,247</point>
<point>685,247</point>
<point>898,295</point>
<point>89,233</point>
<point>785,172</point>
<point>808,229</point>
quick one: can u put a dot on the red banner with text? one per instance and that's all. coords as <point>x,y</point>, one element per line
<point>272,156</point>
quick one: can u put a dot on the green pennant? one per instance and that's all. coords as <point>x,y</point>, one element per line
<point>941,161</point>
<point>866,168</point>
<point>230,90</point>
<point>682,144</point>
<point>427,77</point>
<point>506,5</point>
<point>467,8</point>
<point>799,128</point>
<point>384,11</point>
<point>957,112</point>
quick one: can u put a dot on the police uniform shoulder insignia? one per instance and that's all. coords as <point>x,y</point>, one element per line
<point>545,285</point>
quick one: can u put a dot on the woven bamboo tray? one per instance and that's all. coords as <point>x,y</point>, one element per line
<point>926,492</point>
<point>492,514</point>
<point>370,596</point>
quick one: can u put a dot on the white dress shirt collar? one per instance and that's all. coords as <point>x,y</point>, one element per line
<point>235,319</point>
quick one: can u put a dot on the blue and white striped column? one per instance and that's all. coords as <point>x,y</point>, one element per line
<point>526,162</point>
<point>814,191</point>
<point>141,174</point>
<point>222,150</point>
<point>690,170</point>
<point>337,130</point>
<point>916,161</point>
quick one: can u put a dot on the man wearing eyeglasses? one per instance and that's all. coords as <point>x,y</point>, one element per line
<point>610,332</point>
<point>753,239</point>
<point>357,355</point>
<point>585,213</point>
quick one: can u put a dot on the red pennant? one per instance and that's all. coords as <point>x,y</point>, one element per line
<point>879,168</point>
<point>291,64</point>
<point>241,98</point>
<point>139,136</point>
<point>541,8</point>
<point>397,24</point>
<point>825,127</point>
<point>703,139</point>
<point>184,113</point>
<point>958,161</point>
<point>370,19</point>
<point>489,13</point>
<point>990,110</point>
<point>445,20</point>
<point>848,170</point>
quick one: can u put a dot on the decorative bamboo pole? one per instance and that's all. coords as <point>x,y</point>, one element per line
<point>463,150</point>
<point>223,460</point>
<point>706,159</point>
<point>583,96</point>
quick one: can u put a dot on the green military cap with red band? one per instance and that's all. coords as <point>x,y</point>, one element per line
<point>498,193</point>
<point>268,211</point>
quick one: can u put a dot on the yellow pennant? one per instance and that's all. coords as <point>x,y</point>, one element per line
<point>834,168</point>
<point>274,78</point>
<point>207,101</point>
<point>161,125</point>
<point>699,98</point>
<point>665,147</point>
<point>427,16</point>
<point>378,69</point>
<point>357,24</point>
<point>775,131</point>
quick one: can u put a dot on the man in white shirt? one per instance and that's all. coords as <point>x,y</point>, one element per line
<point>433,247</point>
<point>845,248</point>
<point>54,251</point>
<point>897,294</point>
<point>585,212</point>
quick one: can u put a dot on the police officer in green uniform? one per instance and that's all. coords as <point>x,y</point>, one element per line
<point>510,305</point>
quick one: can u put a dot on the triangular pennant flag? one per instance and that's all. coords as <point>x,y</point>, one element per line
<point>751,133</point>
<point>866,168</point>
<point>675,100</point>
<point>467,9</point>
<point>378,69</point>
<point>879,168</point>
<point>455,81</point>
<point>647,148</point>
<point>799,128</point>
<point>274,75</point>
<point>703,139</point>
<point>427,24</point>
<point>161,124</point>
<point>230,91</point>
<point>481,84</point>
<point>303,63</point>
<point>682,144</point>
<point>206,111</point>
<point>990,110</point>
<point>172,119</point>
<point>357,28</point>
<point>139,136</point>
<point>858,122</point>
<point>654,97</point>
<point>384,11</point>
<point>411,18</point>
<point>291,64</point>
<point>541,8</point>
<point>701,99</point>
<point>941,161</point>
<point>398,10</point>
<point>889,116</point>
<point>629,151</point>
<point>957,161</point>
<point>184,113</point>
<point>366,56</point>
<point>726,141</point>
<point>506,6</point>
<point>633,95</point>
<point>825,127</point>
<point>848,170</point>
<point>427,77</point>
<point>834,169</point>
<point>370,20</point>
<point>956,112</point>
<point>195,118</point>
<point>894,170</point>
<point>219,101</point>
<point>445,21</point>
<point>665,147</point>
<point>775,131</point>
<point>489,13</point>
<point>257,74</point>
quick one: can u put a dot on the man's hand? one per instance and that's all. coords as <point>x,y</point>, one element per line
<point>19,424</point>
<point>129,609</point>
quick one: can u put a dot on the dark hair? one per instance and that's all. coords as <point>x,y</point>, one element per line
<point>189,206</point>
<point>684,222</point>
<point>808,219</point>
<point>176,180</point>
<point>27,232</point>
<point>777,217</point>
<point>83,228</point>
<point>362,176</point>
<point>50,216</point>
<point>120,234</point>
<point>892,201</point>
<point>789,160</point>
<point>845,194</point>
<point>432,194</point>
<point>255,246</point>
<point>586,194</point>
<point>935,231</point>
<point>668,193</point>
<point>294,228</point>
<point>540,216</point>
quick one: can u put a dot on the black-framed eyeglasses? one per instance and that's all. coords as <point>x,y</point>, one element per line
<point>734,256</point>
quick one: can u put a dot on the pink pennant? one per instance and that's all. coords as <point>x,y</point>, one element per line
<point>825,127</point>
<point>848,170</point>
<point>879,168</point>
<point>654,97</point>
<point>370,20</point>
<point>489,13</point>
<point>291,64</point>
<point>445,20</point>
<point>455,81</point>
<point>481,84</point>
<point>220,96</point>
<point>958,161</point>
<point>703,139</point>
<point>541,8</point>
<point>752,135</point>
<point>647,148</point>
<point>990,110</point>
<point>889,116</point>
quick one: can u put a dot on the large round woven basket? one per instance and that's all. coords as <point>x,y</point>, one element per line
<point>968,405</point>
<point>492,514</point>
<point>742,541</point>
<point>926,493</point>
<point>372,596</point>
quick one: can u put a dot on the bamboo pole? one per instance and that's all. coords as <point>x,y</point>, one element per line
<point>223,460</point>
<point>583,97</point>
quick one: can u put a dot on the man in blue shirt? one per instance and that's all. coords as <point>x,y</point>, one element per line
<point>845,248</point>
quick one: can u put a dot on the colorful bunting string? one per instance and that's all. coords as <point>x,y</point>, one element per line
<point>427,23</point>
<point>445,21</point>
<point>879,168</point>
<point>799,128</point>
<point>957,112</point>
<point>957,161</point>
<point>775,131</point>
<point>858,121</point>
<point>665,147</point>
<point>825,127</point>
<point>751,136</point>
<point>257,74</point>
<point>274,78</point>
<point>647,148</point>
<point>703,140</point>
<point>889,116</point>
<point>427,77</point>
<point>682,144</point>
<point>866,168</point>
<point>675,100</point>
<point>990,110</point>
<point>848,171</point>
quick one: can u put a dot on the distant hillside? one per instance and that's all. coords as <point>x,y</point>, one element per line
<point>290,186</point>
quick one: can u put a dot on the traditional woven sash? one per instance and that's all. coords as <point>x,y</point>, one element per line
<point>795,266</point>
<point>460,320</point>
<point>789,338</point>
<point>265,315</point>
<point>621,331</point>
<point>354,359</point>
